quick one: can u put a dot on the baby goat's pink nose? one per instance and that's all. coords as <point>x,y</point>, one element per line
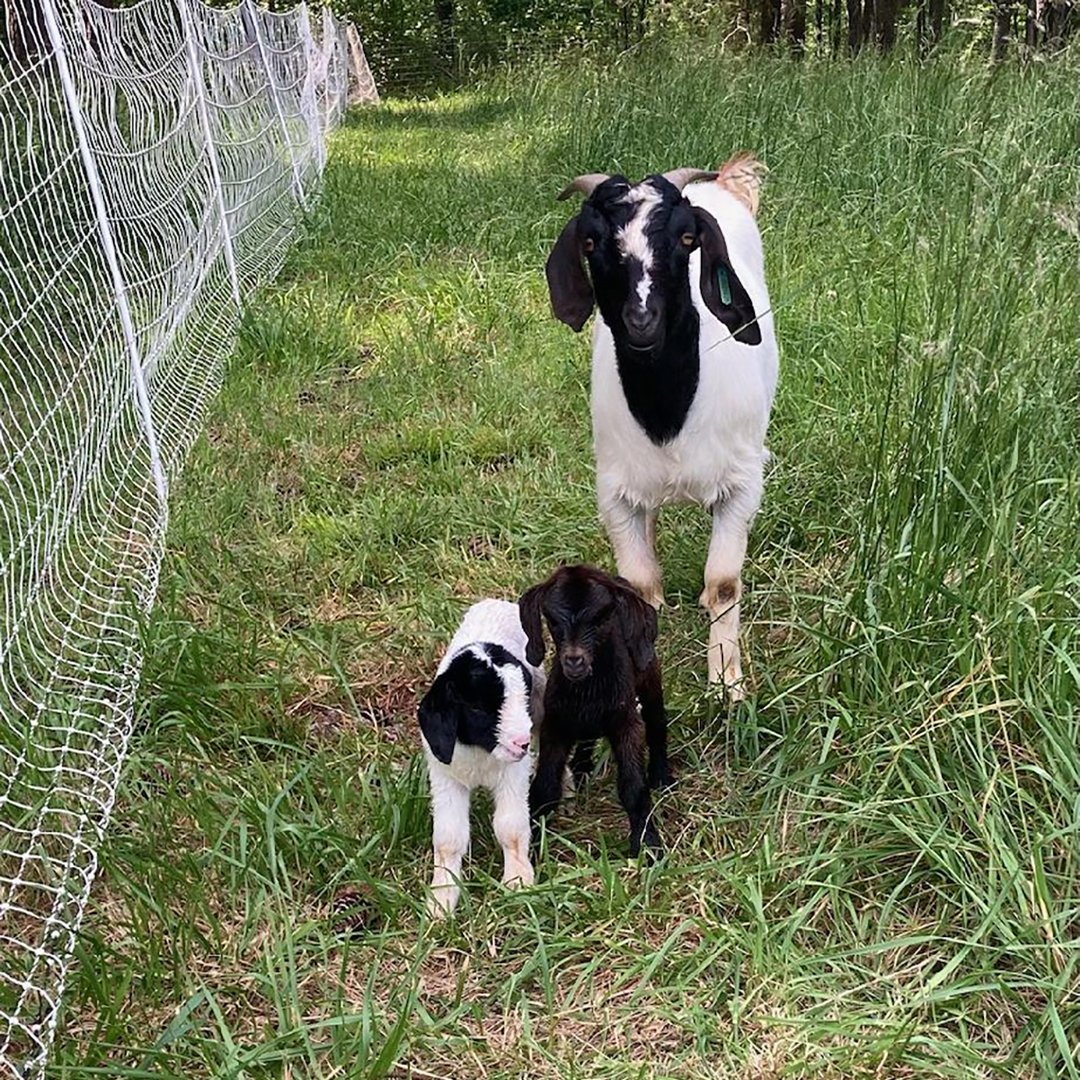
<point>520,742</point>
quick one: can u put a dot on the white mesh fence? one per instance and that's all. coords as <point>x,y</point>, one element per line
<point>153,163</point>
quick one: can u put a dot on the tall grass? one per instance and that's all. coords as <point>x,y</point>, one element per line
<point>873,865</point>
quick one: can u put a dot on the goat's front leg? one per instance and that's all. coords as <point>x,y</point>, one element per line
<point>632,531</point>
<point>450,838</point>
<point>546,790</point>
<point>512,824</point>
<point>627,745</point>
<point>723,584</point>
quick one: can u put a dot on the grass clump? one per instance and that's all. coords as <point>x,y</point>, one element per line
<point>873,865</point>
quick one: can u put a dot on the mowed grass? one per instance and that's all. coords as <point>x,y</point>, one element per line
<point>873,867</point>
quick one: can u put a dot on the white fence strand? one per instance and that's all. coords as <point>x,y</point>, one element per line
<point>153,163</point>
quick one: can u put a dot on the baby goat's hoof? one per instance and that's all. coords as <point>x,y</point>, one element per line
<point>520,878</point>
<point>660,775</point>
<point>442,901</point>
<point>654,846</point>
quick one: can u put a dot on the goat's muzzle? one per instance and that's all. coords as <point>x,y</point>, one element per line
<point>576,664</point>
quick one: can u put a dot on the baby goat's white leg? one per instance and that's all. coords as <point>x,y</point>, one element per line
<point>723,583</point>
<point>450,838</point>
<point>632,530</point>
<point>512,824</point>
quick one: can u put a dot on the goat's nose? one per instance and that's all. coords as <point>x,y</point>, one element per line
<point>641,322</point>
<point>520,742</point>
<point>574,664</point>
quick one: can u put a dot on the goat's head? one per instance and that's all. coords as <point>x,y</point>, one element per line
<point>481,699</point>
<point>585,609</point>
<point>637,240</point>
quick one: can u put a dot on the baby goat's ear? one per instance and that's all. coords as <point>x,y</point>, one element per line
<point>637,621</point>
<point>721,290</point>
<point>438,714</point>
<point>529,607</point>
<point>568,284</point>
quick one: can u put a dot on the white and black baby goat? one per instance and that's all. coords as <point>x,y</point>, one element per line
<point>684,367</point>
<point>476,721</point>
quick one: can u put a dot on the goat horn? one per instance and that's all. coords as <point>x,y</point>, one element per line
<point>586,184</point>
<point>681,177</point>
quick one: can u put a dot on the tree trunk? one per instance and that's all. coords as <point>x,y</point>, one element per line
<point>1002,26</point>
<point>1031,25</point>
<point>794,22</point>
<point>836,27</point>
<point>937,19</point>
<point>770,21</point>
<point>819,26</point>
<point>886,13</point>
<point>854,26</point>
<point>444,30</point>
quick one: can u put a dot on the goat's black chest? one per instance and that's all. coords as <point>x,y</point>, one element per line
<point>660,386</point>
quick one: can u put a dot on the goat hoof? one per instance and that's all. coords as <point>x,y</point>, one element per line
<point>660,777</point>
<point>440,904</point>
<point>654,846</point>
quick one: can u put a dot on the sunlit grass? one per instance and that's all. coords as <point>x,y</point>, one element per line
<point>873,865</point>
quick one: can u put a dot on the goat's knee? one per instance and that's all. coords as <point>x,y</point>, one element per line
<point>721,600</point>
<point>632,531</point>
<point>512,832</point>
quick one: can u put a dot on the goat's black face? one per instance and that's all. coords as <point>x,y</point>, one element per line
<point>585,609</point>
<point>637,240</point>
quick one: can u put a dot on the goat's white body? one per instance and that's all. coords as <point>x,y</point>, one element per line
<point>718,456</point>
<point>495,622</point>
<point>721,445</point>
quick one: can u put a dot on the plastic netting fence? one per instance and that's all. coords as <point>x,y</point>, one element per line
<point>153,161</point>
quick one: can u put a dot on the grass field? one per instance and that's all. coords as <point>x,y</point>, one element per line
<point>873,866</point>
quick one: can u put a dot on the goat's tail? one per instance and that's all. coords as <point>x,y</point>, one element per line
<point>743,176</point>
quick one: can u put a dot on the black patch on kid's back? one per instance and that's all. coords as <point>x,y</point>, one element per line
<point>463,703</point>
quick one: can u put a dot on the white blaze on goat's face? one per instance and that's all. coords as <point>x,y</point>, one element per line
<point>515,720</point>
<point>631,238</point>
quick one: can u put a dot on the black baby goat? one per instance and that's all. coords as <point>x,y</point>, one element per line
<point>604,635</point>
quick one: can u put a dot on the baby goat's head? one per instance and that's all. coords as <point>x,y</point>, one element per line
<point>585,609</point>
<point>481,699</point>
<point>637,240</point>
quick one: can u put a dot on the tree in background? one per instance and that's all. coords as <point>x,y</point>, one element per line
<point>425,39</point>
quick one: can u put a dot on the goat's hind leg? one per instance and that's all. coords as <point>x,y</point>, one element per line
<point>632,531</point>
<point>653,713</point>
<point>627,746</point>
<point>723,584</point>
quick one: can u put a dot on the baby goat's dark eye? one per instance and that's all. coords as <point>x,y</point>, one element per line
<point>688,239</point>
<point>588,245</point>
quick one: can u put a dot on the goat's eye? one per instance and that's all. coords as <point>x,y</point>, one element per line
<point>589,245</point>
<point>688,239</point>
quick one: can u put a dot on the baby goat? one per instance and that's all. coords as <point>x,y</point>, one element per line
<point>604,636</point>
<point>476,722</point>
<point>684,367</point>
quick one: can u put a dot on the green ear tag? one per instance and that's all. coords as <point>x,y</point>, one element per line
<point>725,285</point>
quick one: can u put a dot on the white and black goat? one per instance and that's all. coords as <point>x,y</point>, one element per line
<point>684,367</point>
<point>476,721</point>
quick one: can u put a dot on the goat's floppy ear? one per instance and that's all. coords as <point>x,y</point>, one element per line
<point>568,284</point>
<point>438,714</point>
<point>529,607</point>
<point>637,620</point>
<point>721,289</point>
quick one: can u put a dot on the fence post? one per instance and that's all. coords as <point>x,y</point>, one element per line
<point>93,179</point>
<point>197,82</point>
<point>251,16</point>
<point>311,101</point>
